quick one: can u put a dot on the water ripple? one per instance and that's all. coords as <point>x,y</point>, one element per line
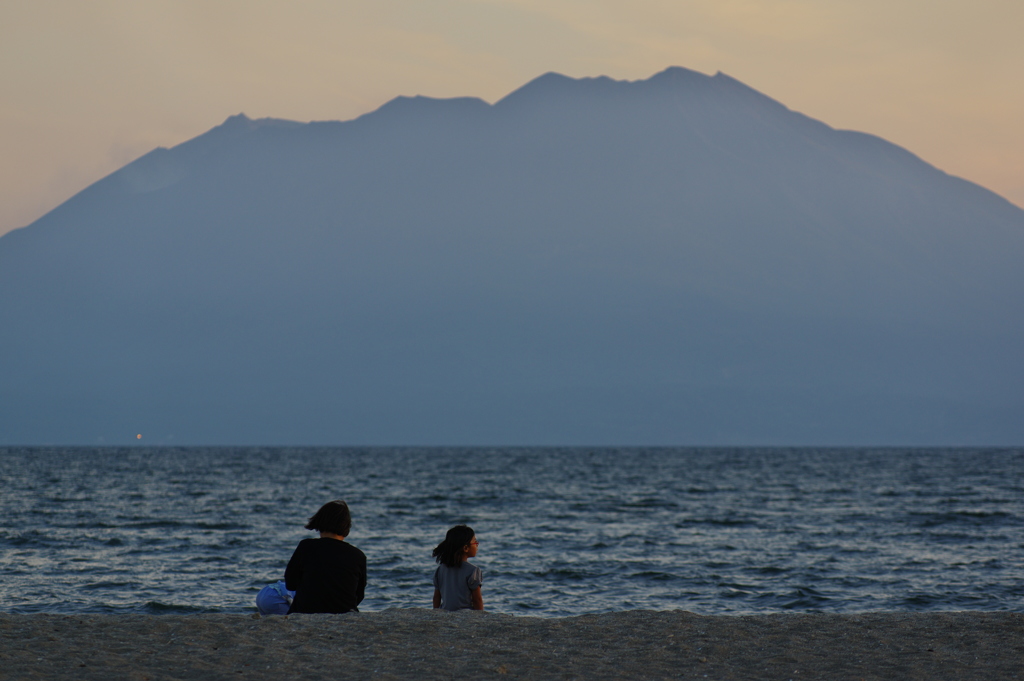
<point>563,530</point>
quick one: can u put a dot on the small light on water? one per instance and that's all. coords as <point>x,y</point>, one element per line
<point>139,436</point>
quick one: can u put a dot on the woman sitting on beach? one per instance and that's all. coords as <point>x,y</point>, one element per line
<point>327,574</point>
<point>456,580</point>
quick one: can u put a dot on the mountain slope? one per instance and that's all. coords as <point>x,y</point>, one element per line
<point>679,260</point>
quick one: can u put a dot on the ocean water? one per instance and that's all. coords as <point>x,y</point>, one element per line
<point>563,531</point>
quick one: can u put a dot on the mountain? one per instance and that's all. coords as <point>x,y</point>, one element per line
<point>678,260</point>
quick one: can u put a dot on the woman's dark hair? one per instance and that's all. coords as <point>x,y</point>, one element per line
<point>449,552</point>
<point>332,517</point>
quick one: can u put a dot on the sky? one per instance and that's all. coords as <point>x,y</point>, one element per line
<point>88,85</point>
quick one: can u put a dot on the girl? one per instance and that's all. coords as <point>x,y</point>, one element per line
<point>327,574</point>
<point>456,580</point>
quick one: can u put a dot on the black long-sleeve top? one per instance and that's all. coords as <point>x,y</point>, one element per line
<point>328,575</point>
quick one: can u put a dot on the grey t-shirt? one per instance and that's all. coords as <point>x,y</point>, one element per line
<point>456,584</point>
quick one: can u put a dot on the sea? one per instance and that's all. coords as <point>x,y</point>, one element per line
<point>562,531</point>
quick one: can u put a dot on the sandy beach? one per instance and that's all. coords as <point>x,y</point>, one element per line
<point>415,644</point>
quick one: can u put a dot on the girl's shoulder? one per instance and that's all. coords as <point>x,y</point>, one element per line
<point>467,569</point>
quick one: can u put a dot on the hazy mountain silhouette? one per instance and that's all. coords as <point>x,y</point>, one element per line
<point>679,260</point>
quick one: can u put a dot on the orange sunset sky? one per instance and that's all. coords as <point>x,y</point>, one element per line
<point>89,85</point>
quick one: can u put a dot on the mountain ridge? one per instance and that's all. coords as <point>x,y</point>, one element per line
<point>240,123</point>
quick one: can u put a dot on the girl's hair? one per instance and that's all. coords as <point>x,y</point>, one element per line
<point>449,552</point>
<point>332,517</point>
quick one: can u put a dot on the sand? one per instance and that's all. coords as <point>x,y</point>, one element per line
<point>425,644</point>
